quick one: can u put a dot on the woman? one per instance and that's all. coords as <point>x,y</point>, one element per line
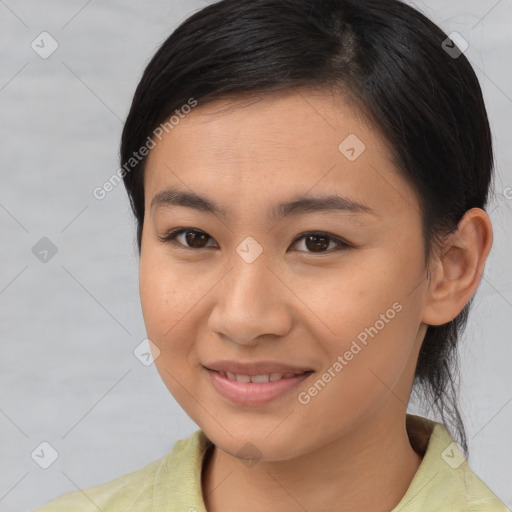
<point>309,182</point>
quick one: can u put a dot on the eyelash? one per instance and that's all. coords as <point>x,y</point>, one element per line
<point>170,237</point>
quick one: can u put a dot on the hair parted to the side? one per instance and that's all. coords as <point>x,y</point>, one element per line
<point>385,57</point>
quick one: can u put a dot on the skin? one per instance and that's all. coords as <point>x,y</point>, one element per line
<point>347,449</point>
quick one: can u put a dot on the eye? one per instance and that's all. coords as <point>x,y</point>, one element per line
<point>314,241</point>
<point>194,237</point>
<point>317,241</point>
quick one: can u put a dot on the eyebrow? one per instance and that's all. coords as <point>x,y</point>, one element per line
<point>333,202</point>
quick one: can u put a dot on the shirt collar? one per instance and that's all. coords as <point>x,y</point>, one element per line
<point>178,480</point>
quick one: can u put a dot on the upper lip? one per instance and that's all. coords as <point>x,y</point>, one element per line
<point>257,368</point>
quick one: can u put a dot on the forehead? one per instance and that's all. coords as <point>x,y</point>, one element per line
<point>274,123</point>
<point>274,146</point>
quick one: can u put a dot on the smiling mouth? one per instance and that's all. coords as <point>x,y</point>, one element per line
<point>260,379</point>
<point>255,390</point>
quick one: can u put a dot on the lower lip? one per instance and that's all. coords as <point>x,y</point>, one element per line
<point>254,393</point>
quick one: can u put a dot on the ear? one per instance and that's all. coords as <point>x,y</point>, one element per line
<point>458,267</point>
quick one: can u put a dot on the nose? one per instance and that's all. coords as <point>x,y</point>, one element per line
<point>251,303</point>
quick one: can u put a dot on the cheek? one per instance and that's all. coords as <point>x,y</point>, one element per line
<point>166,294</point>
<point>349,298</point>
<point>156,296</point>
<point>364,363</point>
<point>172,299</point>
<point>167,308</point>
<point>370,317</point>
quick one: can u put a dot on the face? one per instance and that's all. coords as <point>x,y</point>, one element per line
<point>330,289</point>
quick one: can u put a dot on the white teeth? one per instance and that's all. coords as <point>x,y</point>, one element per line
<point>258,378</point>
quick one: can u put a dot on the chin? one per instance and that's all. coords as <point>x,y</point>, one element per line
<point>255,446</point>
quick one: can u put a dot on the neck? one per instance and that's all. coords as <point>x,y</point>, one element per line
<point>368,469</point>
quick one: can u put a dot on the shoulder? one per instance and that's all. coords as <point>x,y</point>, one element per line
<point>116,495</point>
<point>444,481</point>
<point>455,475</point>
<point>135,491</point>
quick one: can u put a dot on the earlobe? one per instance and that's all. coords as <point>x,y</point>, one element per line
<point>458,268</point>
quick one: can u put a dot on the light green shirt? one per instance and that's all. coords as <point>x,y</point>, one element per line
<point>443,483</point>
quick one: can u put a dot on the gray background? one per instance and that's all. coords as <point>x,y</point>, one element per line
<point>69,326</point>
